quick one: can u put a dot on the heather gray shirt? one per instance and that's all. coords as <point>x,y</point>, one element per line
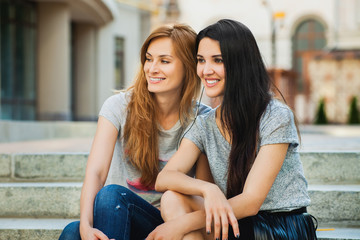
<point>289,190</point>
<point>121,171</point>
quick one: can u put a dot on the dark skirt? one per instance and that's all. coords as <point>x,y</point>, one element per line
<point>294,225</point>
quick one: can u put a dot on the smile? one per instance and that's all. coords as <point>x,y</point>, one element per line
<point>211,82</point>
<point>152,79</point>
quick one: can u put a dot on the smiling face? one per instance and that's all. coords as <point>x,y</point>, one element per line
<point>163,69</point>
<point>210,67</point>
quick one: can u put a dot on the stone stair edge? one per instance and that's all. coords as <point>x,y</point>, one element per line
<point>51,228</point>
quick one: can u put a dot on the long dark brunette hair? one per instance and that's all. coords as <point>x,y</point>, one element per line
<point>246,95</point>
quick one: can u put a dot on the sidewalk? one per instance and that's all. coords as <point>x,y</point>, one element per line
<point>331,138</point>
<point>313,138</point>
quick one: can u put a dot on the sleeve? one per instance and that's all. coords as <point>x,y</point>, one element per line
<point>193,133</point>
<point>278,126</point>
<point>114,109</point>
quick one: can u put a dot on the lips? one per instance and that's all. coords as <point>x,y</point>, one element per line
<point>211,82</point>
<point>156,80</point>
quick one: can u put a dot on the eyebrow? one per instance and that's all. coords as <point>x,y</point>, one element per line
<point>213,56</point>
<point>163,55</point>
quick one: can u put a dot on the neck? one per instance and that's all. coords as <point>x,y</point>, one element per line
<point>167,110</point>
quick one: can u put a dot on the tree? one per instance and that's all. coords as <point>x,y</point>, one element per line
<point>354,115</point>
<point>320,117</point>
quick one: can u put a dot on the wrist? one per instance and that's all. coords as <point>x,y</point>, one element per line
<point>84,227</point>
<point>208,189</point>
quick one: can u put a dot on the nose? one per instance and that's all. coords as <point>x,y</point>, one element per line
<point>208,70</point>
<point>153,68</point>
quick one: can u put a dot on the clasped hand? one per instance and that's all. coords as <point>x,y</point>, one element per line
<point>219,213</point>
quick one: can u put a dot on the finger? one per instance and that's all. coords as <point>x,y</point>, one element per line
<point>99,234</point>
<point>234,224</point>
<point>150,236</point>
<point>208,222</point>
<point>225,226</point>
<point>217,226</point>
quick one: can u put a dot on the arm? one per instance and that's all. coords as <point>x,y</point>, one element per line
<point>203,171</point>
<point>173,177</point>
<point>258,183</point>
<point>97,168</point>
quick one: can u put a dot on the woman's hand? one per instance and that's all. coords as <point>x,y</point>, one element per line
<point>169,230</point>
<point>218,210</point>
<point>93,234</point>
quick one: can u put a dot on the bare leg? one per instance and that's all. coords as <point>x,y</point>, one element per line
<point>174,204</point>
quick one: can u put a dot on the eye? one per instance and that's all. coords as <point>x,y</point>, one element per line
<point>218,60</point>
<point>147,59</point>
<point>165,61</point>
<point>200,60</point>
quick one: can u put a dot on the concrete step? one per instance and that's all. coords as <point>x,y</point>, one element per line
<point>335,203</point>
<point>50,229</point>
<point>319,167</point>
<point>331,167</point>
<point>338,234</point>
<point>36,167</point>
<point>330,203</point>
<point>32,229</point>
<point>39,200</point>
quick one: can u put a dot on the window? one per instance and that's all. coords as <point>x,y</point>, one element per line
<point>18,60</point>
<point>119,63</point>
<point>309,37</point>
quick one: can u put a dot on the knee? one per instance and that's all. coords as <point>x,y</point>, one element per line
<point>111,195</point>
<point>71,232</point>
<point>173,204</point>
<point>111,192</point>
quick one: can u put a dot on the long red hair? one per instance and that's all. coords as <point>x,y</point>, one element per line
<point>141,130</point>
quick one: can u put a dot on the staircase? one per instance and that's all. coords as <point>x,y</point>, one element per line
<point>40,193</point>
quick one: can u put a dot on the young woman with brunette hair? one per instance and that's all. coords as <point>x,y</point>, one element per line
<point>138,131</point>
<point>251,142</point>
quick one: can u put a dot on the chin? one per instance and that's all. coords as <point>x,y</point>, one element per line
<point>212,94</point>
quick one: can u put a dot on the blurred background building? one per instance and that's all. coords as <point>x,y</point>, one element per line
<point>60,59</point>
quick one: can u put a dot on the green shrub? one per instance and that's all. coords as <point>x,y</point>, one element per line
<point>320,117</point>
<point>354,115</point>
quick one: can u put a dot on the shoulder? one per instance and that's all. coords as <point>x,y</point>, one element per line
<point>277,110</point>
<point>117,102</point>
<point>277,124</point>
<point>119,98</point>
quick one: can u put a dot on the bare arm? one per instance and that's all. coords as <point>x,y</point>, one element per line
<point>258,183</point>
<point>203,171</point>
<point>97,168</point>
<point>173,177</point>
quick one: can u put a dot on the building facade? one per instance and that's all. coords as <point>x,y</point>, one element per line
<point>61,59</point>
<point>296,38</point>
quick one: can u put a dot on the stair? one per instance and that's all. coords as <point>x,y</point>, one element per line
<point>40,193</point>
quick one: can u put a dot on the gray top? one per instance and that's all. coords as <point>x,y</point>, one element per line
<point>121,171</point>
<point>277,125</point>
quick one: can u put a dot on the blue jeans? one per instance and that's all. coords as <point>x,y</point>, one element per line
<point>120,214</point>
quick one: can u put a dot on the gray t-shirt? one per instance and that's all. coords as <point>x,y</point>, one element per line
<point>277,125</point>
<point>121,171</point>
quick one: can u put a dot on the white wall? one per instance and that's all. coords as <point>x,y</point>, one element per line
<point>255,15</point>
<point>126,24</point>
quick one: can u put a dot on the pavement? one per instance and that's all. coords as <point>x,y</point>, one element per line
<point>326,138</point>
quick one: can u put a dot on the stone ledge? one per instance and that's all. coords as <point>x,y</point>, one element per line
<point>52,200</point>
<point>335,203</point>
